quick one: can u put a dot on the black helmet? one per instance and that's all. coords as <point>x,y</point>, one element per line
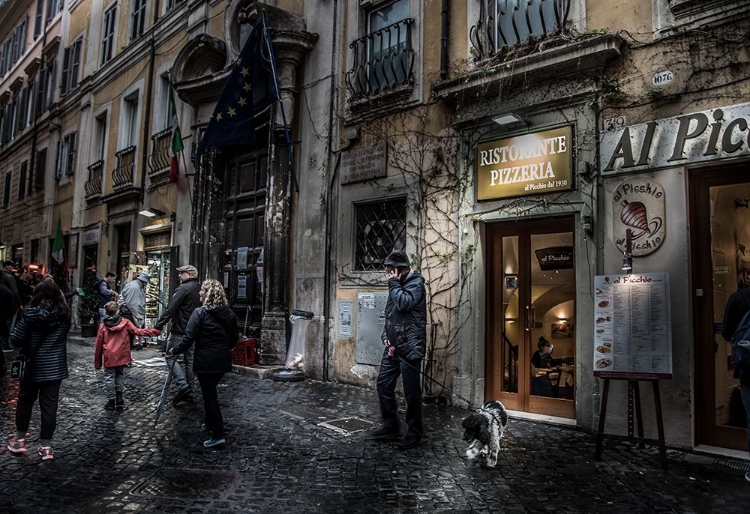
<point>397,259</point>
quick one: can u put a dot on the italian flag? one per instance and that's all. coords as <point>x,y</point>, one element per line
<point>177,145</point>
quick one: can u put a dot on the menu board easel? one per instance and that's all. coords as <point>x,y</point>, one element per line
<point>633,342</point>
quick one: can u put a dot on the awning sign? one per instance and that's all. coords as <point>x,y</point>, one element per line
<point>525,165</point>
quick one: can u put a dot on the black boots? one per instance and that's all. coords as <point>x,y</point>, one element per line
<point>119,402</point>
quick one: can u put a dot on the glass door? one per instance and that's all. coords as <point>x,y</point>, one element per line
<point>720,208</point>
<point>531,313</point>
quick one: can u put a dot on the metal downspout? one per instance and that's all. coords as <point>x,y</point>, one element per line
<point>147,118</point>
<point>444,22</point>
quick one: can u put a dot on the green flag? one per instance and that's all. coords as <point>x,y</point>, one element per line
<point>58,244</point>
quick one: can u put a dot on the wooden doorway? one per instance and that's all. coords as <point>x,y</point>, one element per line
<point>531,296</point>
<point>720,244</point>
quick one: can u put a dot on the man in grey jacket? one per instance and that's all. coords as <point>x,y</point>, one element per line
<point>184,301</point>
<point>132,303</point>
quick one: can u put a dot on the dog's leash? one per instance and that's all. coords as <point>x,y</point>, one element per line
<point>430,378</point>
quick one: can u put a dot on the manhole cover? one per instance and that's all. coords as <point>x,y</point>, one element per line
<point>186,483</point>
<point>305,412</point>
<point>347,426</point>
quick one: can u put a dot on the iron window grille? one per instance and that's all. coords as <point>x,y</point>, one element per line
<point>504,23</point>
<point>93,185</point>
<point>380,229</point>
<point>384,58</point>
<point>122,175</point>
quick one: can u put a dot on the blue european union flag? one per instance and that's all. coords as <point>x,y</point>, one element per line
<point>250,88</point>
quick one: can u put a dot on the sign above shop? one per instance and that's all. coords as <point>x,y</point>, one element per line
<point>364,164</point>
<point>639,206</point>
<point>92,236</point>
<point>525,165</point>
<point>698,137</point>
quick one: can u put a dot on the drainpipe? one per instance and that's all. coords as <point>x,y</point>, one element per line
<point>444,19</point>
<point>35,114</point>
<point>147,117</point>
<point>329,201</point>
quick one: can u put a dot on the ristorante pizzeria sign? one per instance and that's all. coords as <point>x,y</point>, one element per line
<point>525,165</point>
<point>697,137</point>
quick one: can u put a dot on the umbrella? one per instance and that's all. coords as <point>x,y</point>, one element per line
<point>164,393</point>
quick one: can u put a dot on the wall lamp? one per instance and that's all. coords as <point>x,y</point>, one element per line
<point>627,261</point>
<point>508,119</point>
<point>152,212</point>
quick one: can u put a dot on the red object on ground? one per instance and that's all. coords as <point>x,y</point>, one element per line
<point>244,352</point>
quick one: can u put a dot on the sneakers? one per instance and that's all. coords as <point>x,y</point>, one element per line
<point>119,402</point>
<point>183,395</point>
<point>45,452</point>
<point>17,446</point>
<point>747,476</point>
<point>409,442</point>
<point>204,427</point>
<point>386,432</point>
<point>209,443</point>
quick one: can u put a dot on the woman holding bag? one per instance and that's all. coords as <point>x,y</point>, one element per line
<point>42,335</point>
<point>213,329</point>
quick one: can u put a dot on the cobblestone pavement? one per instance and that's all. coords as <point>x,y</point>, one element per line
<point>279,458</point>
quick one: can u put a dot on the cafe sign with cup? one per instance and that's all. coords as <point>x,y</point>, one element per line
<point>528,164</point>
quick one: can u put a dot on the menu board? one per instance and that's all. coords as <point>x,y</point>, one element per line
<point>632,325</point>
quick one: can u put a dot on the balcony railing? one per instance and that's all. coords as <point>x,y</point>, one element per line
<point>508,22</point>
<point>93,186</point>
<point>383,61</point>
<point>160,158</point>
<point>122,175</point>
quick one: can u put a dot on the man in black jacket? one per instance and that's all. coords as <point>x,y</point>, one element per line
<point>184,301</point>
<point>737,305</point>
<point>404,339</point>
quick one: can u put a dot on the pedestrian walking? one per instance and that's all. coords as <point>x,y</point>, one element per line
<point>404,339</point>
<point>737,305</point>
<point>42,335</point>
<point>113,352</point>
<point>212,331</point>
<point>182,304</point>
<point>8,309</point>
<point>104,292</point>
<point>132,304</point>
<point>8,279</point>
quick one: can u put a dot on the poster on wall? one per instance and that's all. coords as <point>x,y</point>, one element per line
<point>632,326</point>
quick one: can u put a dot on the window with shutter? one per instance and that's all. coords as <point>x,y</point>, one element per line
<point>22,179</point>
<point>41,168</point>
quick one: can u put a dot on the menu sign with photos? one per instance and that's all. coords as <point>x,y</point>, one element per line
<point>632,325</point>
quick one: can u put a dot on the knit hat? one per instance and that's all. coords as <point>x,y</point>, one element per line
<point>398,259</point>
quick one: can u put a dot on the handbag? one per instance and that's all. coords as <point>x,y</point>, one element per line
<point>19,368</point>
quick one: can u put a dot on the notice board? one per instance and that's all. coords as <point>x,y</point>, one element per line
<point>632,326</point>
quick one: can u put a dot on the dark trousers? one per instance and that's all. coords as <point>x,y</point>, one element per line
<point>48,394</point>
<point>214,421</point>
<point>390,369</point>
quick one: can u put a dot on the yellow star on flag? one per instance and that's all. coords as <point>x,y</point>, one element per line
<point>248,87</point>
<point>242,101</point>
<point>218,116</point>
<point>245,72</point>
<point>231,112</point>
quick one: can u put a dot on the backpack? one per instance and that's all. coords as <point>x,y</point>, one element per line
<point>741,341</point>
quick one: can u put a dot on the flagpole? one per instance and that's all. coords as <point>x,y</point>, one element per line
<point>281,101</point>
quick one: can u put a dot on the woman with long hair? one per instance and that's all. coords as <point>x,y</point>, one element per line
<point>213,330</point>
<point>42,336</point>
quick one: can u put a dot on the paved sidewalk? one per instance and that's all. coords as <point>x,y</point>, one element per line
<point>279,458</point>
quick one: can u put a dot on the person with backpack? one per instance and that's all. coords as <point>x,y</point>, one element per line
<point>737,325</point>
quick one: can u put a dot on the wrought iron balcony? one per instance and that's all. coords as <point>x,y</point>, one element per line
<point>122,175</point>
<point>383,61</point>
<point>160,158</point>
<point>93,186</point>
<point>505,23</point>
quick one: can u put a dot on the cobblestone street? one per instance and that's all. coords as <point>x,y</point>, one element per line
<point>278,458</point>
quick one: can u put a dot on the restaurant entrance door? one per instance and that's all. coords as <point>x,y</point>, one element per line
<point>531,299</point>
<point>720,201</point>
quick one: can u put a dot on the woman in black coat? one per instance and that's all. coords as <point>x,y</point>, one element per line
<point>213,329</point>
<point>42,335</point>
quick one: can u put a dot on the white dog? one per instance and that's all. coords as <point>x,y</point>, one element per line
<point>483,430</point>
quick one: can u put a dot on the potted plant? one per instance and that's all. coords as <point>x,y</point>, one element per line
<point>88,304</point>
